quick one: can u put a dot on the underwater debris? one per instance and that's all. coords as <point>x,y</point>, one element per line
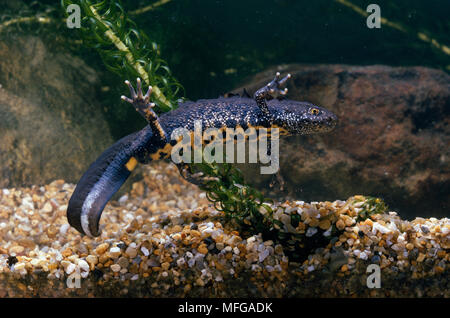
<point>166,239</point>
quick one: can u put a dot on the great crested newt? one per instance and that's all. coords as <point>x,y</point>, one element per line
<point>267,109</point>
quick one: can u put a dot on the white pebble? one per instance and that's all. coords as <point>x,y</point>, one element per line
<point>123,199</point>
<point>208,231</point>
<point>84,266</point>
<point>114,252</point>
<point>115,268</point>
<point>380,228</point>
<point>19,266</point>
<point>311,231</point>
<point>181,261</point>
<point>63,229</point>
<point>144,251</point>
<point>445,230</point>
<point>70,268</point>
<point>47,208</point>
<point>363,255</point>
<point>263,255</point>
<point>131,251</point>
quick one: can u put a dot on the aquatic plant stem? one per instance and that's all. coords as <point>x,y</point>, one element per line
<point>129,56</point>
<point>149,7</point>
<point>398,26</point>
<point>6,24</point>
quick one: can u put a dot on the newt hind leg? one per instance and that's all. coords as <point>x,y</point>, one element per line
<point>195,177</point>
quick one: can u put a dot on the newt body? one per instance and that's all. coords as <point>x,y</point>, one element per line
<point>106,175</point>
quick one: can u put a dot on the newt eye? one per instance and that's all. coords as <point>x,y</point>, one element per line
<point>314,111</point>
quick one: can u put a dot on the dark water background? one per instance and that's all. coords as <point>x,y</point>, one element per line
<point>199,37</point>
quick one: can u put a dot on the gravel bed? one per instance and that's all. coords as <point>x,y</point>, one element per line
<point>164,239</point>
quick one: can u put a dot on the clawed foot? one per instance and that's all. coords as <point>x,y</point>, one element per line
<point>187,174</point>
<point>271,90</point>
<point>276,84</point>
<point>140,102</point>
<point>278,180</point>
<point>197,178</point>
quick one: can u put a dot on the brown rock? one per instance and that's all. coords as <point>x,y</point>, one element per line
<point>51,123</point>
<point>325,224</point>
<point>99,250</point>
<point>340,225</point>
<point>16,250</point>
<point>202,249</point>
<point>67,252</point>
<point>27,243</point>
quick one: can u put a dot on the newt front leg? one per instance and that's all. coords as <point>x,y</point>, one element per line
<point>269,91</point>
<point>144,107</point>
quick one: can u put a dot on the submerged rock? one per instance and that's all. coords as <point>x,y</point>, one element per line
<point>51,123</point>
<point>391,140</point>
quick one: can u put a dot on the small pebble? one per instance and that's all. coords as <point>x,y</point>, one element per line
<point>84,266</point>
<point>99,250</point>
<point>47,207</point>
<point>131,251</point>
<point>114,252</point>
<point>115,268</point>
<point>92,260</point>
<point>16,250</point>
<point>70,268</point>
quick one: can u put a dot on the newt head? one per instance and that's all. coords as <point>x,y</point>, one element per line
<point>300,118</point>
<point>292,117</point>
